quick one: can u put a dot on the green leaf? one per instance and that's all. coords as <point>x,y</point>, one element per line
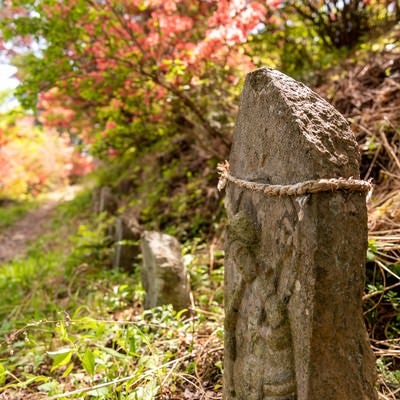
<point>60,357</point>
<point>2,375</point>
<point>114,353</point>
<point>370,256</point>
<point>68,370</point>
<point>88,362</point>
<point>132,345</point>
<point>145,392</point>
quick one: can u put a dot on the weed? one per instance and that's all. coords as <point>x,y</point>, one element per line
<point>13,211</point>
<point>72,326</point>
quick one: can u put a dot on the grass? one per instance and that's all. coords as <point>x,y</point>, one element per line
<point>74,328</point>
<point>13,211</point>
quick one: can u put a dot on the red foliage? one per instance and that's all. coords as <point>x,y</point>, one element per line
<point>143,56</point>
<point>53,111</point>
<point>33,160</point>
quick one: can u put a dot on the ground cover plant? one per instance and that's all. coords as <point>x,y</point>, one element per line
<point>12,211</point>
<point>80,330</point>
<point>153,99</point>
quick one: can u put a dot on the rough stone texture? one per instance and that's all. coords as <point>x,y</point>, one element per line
<point>163,272</point>
<point>126,247</point>
<point>294,272</point>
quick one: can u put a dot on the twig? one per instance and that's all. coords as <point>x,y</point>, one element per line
<point>372,162</point>
<point>389,149</point>
<point>170,372</point>
<point>116,381</point>
<point>369,295</point>
<point>380,298</point>
<point>382,265</point>
<point>388,389</point>
<point>200,388</point>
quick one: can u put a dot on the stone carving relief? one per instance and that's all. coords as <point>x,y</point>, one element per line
<point>260,295</point>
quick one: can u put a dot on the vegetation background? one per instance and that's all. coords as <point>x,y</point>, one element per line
<point>140,96</point>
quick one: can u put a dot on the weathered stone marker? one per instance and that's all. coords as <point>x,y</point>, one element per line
<point>163,272</point>
<point>294,271</point>
<point>126,247</point>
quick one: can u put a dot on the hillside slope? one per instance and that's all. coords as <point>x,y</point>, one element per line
<point>365,88</point>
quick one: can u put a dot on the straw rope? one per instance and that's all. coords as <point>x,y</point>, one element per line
<point>297,189</point>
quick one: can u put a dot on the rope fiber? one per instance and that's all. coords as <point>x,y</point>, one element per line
<point>297,189</point>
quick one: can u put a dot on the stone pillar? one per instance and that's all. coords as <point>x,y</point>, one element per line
<point>294,271</point>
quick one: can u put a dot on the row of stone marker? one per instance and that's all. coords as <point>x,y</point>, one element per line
<point>163,272</point>
<point>294,265</point>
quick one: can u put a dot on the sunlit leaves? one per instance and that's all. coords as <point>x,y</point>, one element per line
<point>150,55</point>
<point>33,159</point>
<point>88,362</point>
<point>60,357</point>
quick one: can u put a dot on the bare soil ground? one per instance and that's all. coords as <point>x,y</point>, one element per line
<point>15,239</point>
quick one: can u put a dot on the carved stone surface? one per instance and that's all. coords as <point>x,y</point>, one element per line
<point>294,271</point>
<point>163,273</point>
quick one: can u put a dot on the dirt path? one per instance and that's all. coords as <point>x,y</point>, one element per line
<point>15,240</point>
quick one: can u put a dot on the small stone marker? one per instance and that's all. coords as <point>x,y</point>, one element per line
<point>163,273</point>
<point>104,200</point>
<point>294,272</point>
<point>126,247</point>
